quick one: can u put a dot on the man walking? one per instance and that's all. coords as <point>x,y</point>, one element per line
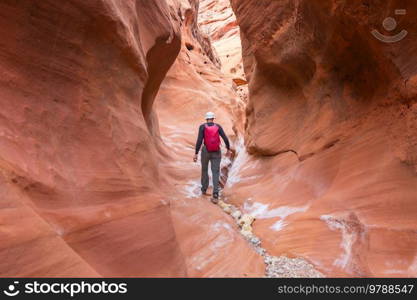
<point>210,132</point>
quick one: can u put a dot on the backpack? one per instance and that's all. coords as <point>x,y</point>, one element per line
<point>212,138</point>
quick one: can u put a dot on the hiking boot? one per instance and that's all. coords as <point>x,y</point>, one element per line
<point>215,198</point>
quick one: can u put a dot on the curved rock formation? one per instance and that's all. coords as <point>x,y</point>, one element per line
<point>217,19</point>
<point>78,162</point>
<point>88,186</point>
<point>332,116</point>
<point>193,86</point>
<point>101,101</point>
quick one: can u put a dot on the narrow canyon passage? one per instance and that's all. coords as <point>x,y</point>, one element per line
<point>195,85</point>
<point>101,101</point>
<point>295,187</point>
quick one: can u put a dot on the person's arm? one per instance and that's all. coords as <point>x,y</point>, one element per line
<point>224,137</point>
<point>199,139</point>
<point>199,142</point>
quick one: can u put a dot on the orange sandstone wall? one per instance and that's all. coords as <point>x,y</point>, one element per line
<point>78,157</point>
<point>88,185</point>
<point>216,18</point>
<point>210,243</point>
<point>332,117</point>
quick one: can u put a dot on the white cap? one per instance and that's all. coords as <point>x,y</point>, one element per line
<point>210,115</point>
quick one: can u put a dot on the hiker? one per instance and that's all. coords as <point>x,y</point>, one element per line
<point>210,132</point>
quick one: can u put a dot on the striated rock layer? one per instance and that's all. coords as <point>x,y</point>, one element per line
<point>217,19</point>
<point>209,239</point>
<point>331,126</point>
<point>78,159</point>
<point>84,184</point>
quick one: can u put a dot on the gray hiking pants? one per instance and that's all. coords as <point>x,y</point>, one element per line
<point>214,158</point>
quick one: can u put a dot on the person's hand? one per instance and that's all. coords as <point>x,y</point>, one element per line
<point>195,158</point>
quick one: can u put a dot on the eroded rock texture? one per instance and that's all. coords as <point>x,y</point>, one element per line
<point>333,117</point>
<point>84,187</point>
<point>101,101</point>
<point>209,239</point>
<point>78,160</point>
<point>217,19</point>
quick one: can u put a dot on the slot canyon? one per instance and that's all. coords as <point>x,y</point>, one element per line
<point>101,101</point>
